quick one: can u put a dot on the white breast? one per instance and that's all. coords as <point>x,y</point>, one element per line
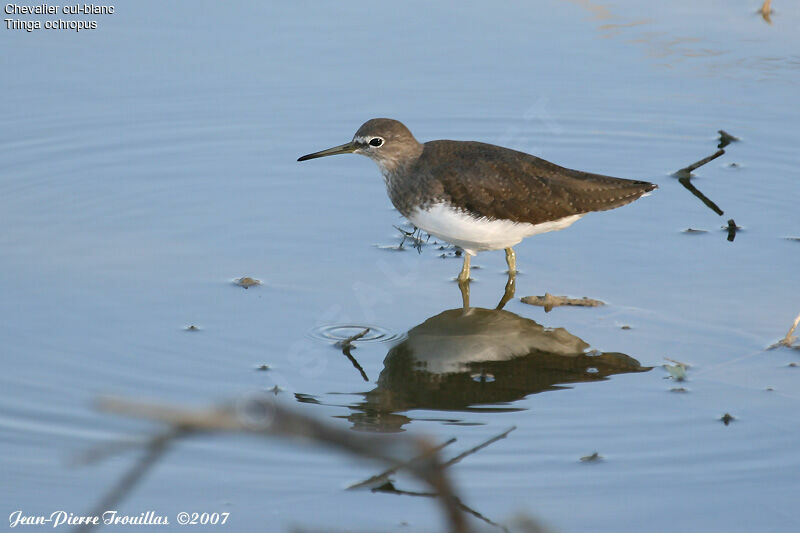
<point>478,234</point>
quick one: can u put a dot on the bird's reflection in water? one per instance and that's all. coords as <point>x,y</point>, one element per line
<point>476,359</point>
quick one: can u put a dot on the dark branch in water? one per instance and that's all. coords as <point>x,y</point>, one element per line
<point>732,228</point>
<point>694,166</point>
<point>347,346</point>
<point>725,139</point>
<point>703,198</point>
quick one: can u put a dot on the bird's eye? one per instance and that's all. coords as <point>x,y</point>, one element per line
<point>377,141</point>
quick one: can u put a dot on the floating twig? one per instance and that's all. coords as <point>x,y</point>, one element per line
<point>347,345</point>
<point>686,171</point>
<point>348,342</point>
<point>684,176</point>
<point>591,458</point>
<point>548,301</point>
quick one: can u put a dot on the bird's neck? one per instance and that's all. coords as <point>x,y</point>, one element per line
<point>392,165</point>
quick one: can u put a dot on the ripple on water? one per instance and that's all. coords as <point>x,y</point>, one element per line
<point>342,332</point>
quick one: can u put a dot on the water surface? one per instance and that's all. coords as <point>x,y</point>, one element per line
<point>149,163</point>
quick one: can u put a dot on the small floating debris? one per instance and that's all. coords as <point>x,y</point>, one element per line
<point>548,301</point>
<point>727,418</point>
<point>766,12</point>
<point>449,254</point>
<point>263,367</point>
<point>732,228</point>
<point>679,389</point>
<point>726,138</point>
<point>591,458</point>
<point>797,239</point>
<point>191,328</point>
<point>390,247</point>
<point>247,282</point>
<point>792,365</point>
<point>733,165</point>
<point>693,231</point>
<point>677,371</point>
<point>625,327</point>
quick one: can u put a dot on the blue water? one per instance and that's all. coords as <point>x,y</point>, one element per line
<point>150,162</point>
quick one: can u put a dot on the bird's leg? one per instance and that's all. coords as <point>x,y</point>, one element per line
<point>464,287</point>
<point>464,275</point>
<point>511,260</point>
<point>511,286</point>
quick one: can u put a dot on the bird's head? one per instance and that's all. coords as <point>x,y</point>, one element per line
<point>387,142</point>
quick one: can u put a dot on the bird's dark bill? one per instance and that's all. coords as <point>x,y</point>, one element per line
<point>341,149</point>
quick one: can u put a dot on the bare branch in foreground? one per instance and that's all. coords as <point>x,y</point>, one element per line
<point>388,488</point>
<point>262,415</point>
<point>155,450</point>
<point>384,476</point>
<point>480,446</point>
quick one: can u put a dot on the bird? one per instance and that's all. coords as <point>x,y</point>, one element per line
<point>479,196</point>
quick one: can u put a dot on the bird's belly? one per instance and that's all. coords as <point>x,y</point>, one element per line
<point>474,234</point>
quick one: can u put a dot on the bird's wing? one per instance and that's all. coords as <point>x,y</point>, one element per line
<point>499,183</point>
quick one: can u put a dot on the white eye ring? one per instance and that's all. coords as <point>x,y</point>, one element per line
<point>376,141</point>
